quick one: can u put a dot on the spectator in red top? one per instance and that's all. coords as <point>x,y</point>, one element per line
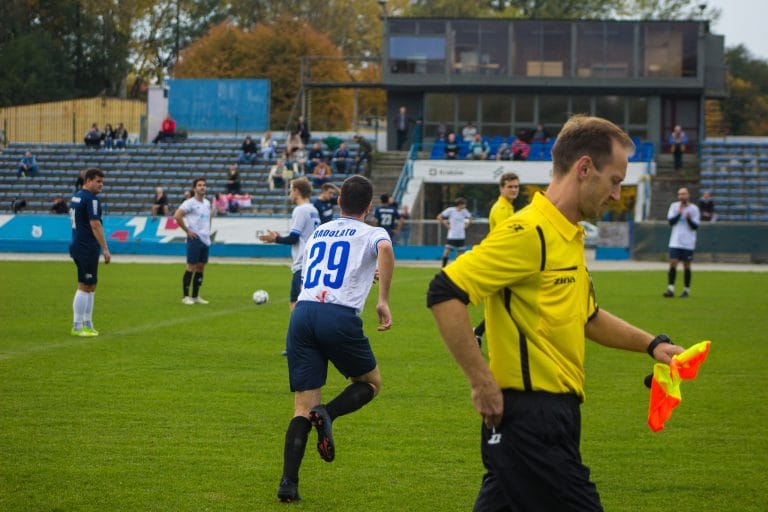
<point>520,149</point>
<point>167,130</point>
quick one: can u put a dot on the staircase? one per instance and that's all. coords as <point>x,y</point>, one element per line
<point>665,184</point>
<point>385,171</point>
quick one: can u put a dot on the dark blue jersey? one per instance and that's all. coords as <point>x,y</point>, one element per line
<point>387,217</point>
<point>325,208</point>
<point>83,208</point>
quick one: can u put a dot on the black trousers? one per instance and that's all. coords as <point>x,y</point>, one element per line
<point>532,459</point>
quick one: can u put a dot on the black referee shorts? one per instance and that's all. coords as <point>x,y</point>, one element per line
<point>532,459</point>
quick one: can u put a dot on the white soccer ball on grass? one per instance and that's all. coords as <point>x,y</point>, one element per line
<point>260,297</point>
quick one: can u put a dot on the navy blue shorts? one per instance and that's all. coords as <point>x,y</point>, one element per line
<point>295,286</point>
<point>455,242</point>
<point>532,458</point>
<point>87,263</point>
<point>676,253</point>
<point>197,251</point>
<point>322,332</point>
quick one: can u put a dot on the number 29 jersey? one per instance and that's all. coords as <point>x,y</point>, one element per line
<point>340,262</point>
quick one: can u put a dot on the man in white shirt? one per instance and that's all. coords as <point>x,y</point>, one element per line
<point>194,217</point>
<point>456,219</point>
<point>342,258</point>
<point>684,217</point>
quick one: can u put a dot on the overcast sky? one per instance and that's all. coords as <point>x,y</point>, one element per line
<point>743,22</point>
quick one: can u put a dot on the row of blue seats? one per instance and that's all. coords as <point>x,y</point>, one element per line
<point>539,151</point>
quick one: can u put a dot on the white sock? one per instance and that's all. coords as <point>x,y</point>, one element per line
<point>88,316</point>
<point>671,287</point>
<point>79,305</point>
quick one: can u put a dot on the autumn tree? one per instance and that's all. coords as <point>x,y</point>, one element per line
<point>227,51</point>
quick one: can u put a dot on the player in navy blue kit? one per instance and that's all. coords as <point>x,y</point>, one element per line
<point>87,242</point>
<point>325,201</point>
<point>388,217</point>
<point>341,259</point>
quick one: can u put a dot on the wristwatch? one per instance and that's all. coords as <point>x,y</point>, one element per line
<point>655,342</point>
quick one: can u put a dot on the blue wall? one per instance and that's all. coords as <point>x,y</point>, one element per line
<point>220,105</point>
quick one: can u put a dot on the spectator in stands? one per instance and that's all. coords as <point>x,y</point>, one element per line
<point>18,204</point>
<point>321,173</point>
<point>364,152</point>
<point>539,134</point>
<point>93,137</point>
<point>707,207</point>
<point>292,145</point>
<point>220,204</point>
<point>249,154</point>
<point>109,137</point>
<point>280,175</point>
<point>402,125</point>
<point>442,132</point>
<point>316,156</point>
<point>341,159</point>
<point>299,162</point>
<point>121,136</point>
<point>468,132</point>
<point>520,148</point>
<point>268,147</point>
<point>451,147</point>
<point>326,201</point>
<point>160,204</point>
<point>167,130</point>
<point>478,149</point>
<point>28,165</point>
<point>504,152</point>
<point>303,129</point>
<point>332,142</point>
<point>59,206</point>
<point>677,141</point>
<point>233,180</point>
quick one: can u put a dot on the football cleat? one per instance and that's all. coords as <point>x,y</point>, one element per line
<point>669,293</point>
<point>83,333</point>
<point>91,330</point>
<point>321,420</point>
<point>288,491</point>
<point>199,300</point>
<point>684,295</point>
<point>187,300</point>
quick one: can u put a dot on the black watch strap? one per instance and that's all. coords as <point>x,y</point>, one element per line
<point>661,338</point>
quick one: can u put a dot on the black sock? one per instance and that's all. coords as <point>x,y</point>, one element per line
<point>351,399</point>
<point>687,277</point>
<point>197,282</point>
<point>672,275</point>
<point>187,279</point>
<point>445,261</point>
<point>295,444</point>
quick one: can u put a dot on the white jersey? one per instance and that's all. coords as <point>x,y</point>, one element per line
<point>683,236</point>
<point>197,217</point>
<point>304,220</point>
<point>340,262</point>
<point>457,220</point>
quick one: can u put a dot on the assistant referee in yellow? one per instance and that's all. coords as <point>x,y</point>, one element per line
<point>540,307</point>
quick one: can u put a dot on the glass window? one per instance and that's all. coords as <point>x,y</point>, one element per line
<point>401,26</point>
<point>494,47</point>
<point>543,48</point>
<point>553,110</point>
<point>638,110</point>
<point>604,50</point>
<point>431,27</point>
<point>524,111</point>
<point>467,109</point>
<point>439,108</point>
<point>670,50</point>
<point>497,109</point>
<point>416,54</point>
<point>581,105</point>
<point>611,108</point>
<point>466,48</point>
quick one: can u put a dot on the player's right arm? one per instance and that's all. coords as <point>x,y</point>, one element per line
<point>179,218</point>
<point>385,262</point>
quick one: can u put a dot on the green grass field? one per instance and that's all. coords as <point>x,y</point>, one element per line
<point>184,408</point>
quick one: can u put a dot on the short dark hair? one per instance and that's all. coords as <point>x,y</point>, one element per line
<point>508,176</point>
<point>91,174</point>
<point>384,198</point>
<point>587,136</point>
<point>356,195</point>
<point>460,200</point>
<point>303,185</point>
<point>195,182</point>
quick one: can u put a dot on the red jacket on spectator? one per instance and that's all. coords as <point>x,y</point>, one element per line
<point>169,126</point>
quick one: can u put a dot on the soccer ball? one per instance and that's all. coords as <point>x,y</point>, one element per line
<point>260,297</point>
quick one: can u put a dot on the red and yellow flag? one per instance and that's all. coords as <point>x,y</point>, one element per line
<point>665,386</point>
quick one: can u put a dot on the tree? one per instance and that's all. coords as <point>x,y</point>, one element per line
<point>746,108</point>
<point>264,52</point>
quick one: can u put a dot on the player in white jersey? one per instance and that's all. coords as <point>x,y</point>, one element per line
<point>684,217</point>
<point>304,219</point>
<point>456,219</point>
<point>194,217</point>
<point>341,259</point>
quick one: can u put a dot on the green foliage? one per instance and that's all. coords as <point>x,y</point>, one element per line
<point>746,108</point>
<point>181,407</point>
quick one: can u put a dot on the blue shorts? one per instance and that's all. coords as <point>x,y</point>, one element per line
<point>457,243</point>
<point>87,261</point>
<point>319,333</point>
<point>676,253</point>
<point>295,286</point>
<point>197,251</point>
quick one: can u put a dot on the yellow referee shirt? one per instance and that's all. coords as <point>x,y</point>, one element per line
<point>532,271</point>
<point>501,210</point>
